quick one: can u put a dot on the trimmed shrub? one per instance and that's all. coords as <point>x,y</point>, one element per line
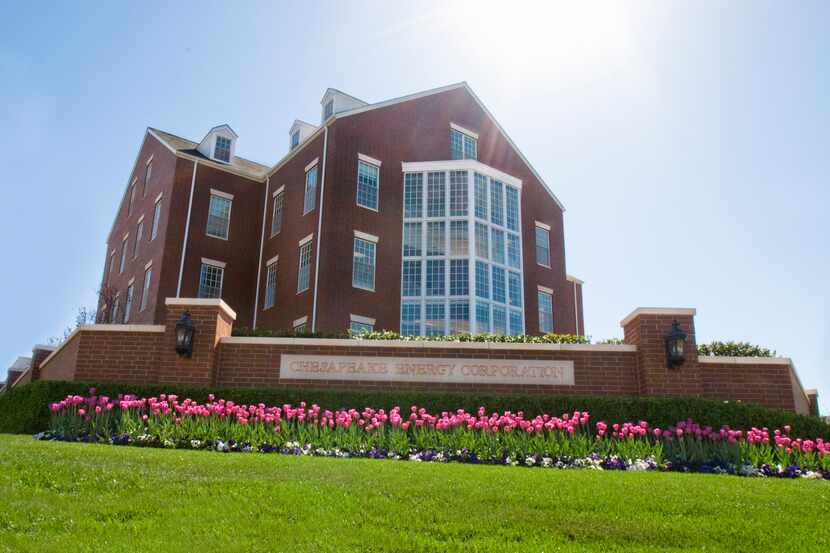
<point>733,349</point>
<point>549,338</point>
<point>25,409</point>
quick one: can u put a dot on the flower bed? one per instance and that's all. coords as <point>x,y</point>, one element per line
<point>508,438</point>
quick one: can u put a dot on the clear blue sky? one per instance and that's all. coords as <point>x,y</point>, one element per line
<point>688,142</point>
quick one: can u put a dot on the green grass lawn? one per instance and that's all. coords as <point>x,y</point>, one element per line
<point>81,497</point>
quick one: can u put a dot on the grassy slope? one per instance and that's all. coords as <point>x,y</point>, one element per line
<point>93,497</point>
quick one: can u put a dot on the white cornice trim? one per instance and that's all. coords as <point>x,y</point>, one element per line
<point>221,194</point>
<point>159,197</point>
<point>140,219</point>
<point>460,165</point>
<point>148,265</point>
<point>202,302</point>
<point>311,164</point>
<point>545,289</point>
<point>272,260</point>
<point>220,264</point>
<point>575,280</point>
<point>301,321</point>
<point>149,159</point>
<point>368,159</point>
<point>679,311</point>
<point>540,224</point>
<point>462,130</point>
<point>44,347</point>
<point>415,344</point>
<point>278,191</point>
<point>715,359</point>
<point>361,319</point>
<point>305,240</point>
<point>366,236</point>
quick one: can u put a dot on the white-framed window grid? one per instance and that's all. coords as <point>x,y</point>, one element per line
<point>156,216</point>
<point>368,185</point>
<point>271,285</point>
<point>304,267</point>
<point>364,261</point>
<point>128,304</point>
<point>418,310</point>
<point>222,149</point>
<point>219,216</point>
<point>310,190</point>
<point>277,210</point>
<point>211,278</point>
<point>145,288</point>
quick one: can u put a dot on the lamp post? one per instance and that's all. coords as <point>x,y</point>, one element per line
<point>675,345</point>
<point>184,335</point>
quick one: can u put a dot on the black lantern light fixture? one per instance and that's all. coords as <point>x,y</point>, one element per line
<point>184,335</point>
<point>675,345</point>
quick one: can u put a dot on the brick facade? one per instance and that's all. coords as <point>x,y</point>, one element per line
<point>141,354</point>
<point>406,131</point>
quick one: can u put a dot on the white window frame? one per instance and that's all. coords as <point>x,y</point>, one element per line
<point>313,196</point>
<point>145,286</point>
<point>546,228</point>
<point>124,244</point>
<point>369,239</point>
<point>148,172</point>
<point>291,143</point>
<point>278,194</point>
<point>128,302</point>
<point>216,147</point>
<point>273,298</point>
<point>361,320</point>
<point>300,324</point>
<point>372,162</point>
<point>466,134</point>
<point>542,290</point>
<point>224,196</point>
<point>154,231</point>
<point>217,265</point>
<point>305,243</point>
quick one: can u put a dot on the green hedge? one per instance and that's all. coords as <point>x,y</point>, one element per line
<point>734,349</point>
<point>25,409</point>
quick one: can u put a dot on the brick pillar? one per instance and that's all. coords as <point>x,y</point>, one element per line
<point>646,328</point>
<point>39,355</point>
<point>212,319</point>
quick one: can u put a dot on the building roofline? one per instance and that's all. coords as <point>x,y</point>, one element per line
<point>331,88</point>
<point>154,131</point>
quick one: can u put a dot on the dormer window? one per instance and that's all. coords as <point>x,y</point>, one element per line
<point>295,139</point>
<point>328,109</point>
<point>222,150</point>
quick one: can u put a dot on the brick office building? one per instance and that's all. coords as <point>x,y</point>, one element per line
<point>416,214</point>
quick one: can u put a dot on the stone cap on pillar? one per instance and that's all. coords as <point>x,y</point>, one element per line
<point>667,311</point>
<point>203,302</point>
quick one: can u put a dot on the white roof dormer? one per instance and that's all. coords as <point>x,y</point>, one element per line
<point>335,101</point>
<point>299,131</point>
<point>219,144</point>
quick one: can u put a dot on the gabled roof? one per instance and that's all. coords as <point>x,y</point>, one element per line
<point>21,364</point>
<point>187,147</point>
<point>415,96</point>
<point>331,90</point>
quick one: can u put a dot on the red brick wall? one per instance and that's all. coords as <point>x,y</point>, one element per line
<point>125,356</point>
<point>767,384</point>
<point>63,363</point>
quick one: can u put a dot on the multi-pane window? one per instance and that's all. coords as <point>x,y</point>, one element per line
<point>438,257</point>
<point>368,178</point>
<point>156,215</point>
<point>210,280</point>
<point>357,328</point>
<point>300,328</point>
<point>310,195</point>
<point>462,146</point>
<point>496,204</point>
<point>513,254</point>
<point>515,323</point>
<point>412,239</point>
<point>435,285</point>
<point>499,320</point>
<point>436,238</point>
<point>512,207</point>
<point>497,243</point>
<point>128,305</point>
<point>145,289</point>
<point>458,193</point>
<point>435,319</point>
<point>328,109</point>
<point>545,311</point>
<point>436,194</point>
<point>363,265</point>
<point>482,317</point>
<point>304,270</point>
<point>410,318</point>
<point>114,311</point>
<point>222,151</point>
<point>271,286</point>
<point>413,195</point>
<point>459,277</point>
<point>219,216</point>
<point>131,201</point>
<point>411,278</point>
<point>514,288</point>
<point>139,234</point>
<point>123,254</point>
<point>459,317</point>
<point>148,172</point>
<point>295,139</point>
<point>499,288</point>
<point>482,241</point>
<point>459,239</point>
<point>481,196</point>
<point>542,246</point>
<point>276,213</point>
<point>482,280</point>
